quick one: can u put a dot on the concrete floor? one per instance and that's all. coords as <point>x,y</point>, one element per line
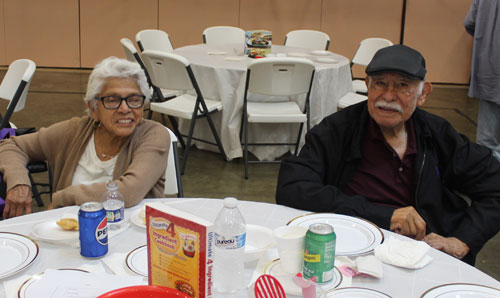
<point>56,95</point>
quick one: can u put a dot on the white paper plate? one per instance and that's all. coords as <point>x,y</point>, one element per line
<point>300,55</point>
<point>354,292</point>
<point>462,290</point>
<point>137,220</point>
<point>286,279</point>
<point>29,288</point>
<point>259,239</point>
<point>327,60</point>
<point>137,260</point>
<point>17,252</point>
<point>49,230</point>
<point>321,53</point>
<point>355,236</point>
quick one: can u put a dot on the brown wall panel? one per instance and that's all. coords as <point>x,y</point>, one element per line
<point>3,61</point>
<point>280,16</point>
<point>185,20</point>
<point>349,22</point>
<point>43,31</point>
<point>436,29</point>
<point>104,23</point>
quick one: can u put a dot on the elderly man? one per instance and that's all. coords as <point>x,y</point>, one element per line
<point>396,165</point>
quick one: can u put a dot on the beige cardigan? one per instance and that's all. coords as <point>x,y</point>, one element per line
<point>139,171</point>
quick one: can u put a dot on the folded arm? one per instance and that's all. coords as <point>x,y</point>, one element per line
<point>311,182</point>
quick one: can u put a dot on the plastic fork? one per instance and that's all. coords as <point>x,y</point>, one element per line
<point>267,286</point>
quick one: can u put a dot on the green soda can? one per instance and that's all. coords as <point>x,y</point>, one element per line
<point>319,252</point>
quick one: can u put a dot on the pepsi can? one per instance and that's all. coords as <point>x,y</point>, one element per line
<point>93,227</point>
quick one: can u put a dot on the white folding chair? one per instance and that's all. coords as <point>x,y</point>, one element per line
<point>171,71</point>
<point>349,99</point>
<point>309,39</point>
<point>133,56</point>
<point>367,48</point>
<point>14,87</point>
<point>283,77</point>
<point>220,35</point>
<point>173,180</point>
<point>152,39</point>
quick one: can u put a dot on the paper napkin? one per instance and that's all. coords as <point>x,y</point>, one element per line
<point>364,265</point>
<point>370,265</point>
<point>58,283</point>
<point>407,254</point>
<point>216,53</point>
<point>98,268</point>
<point>235,58</point>
<point>116,263</point>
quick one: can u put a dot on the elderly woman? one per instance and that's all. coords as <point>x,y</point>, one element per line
<point>114,143</point>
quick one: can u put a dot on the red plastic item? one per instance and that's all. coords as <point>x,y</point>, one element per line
<point>267,286</point>
<point>145,292</point>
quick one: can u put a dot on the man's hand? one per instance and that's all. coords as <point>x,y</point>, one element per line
<point>18,201</point>
<point>450,245</point>
<point>406,221</point>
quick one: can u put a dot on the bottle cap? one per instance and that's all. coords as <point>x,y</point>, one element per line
<point>230,202</point>
<point>111,186</point>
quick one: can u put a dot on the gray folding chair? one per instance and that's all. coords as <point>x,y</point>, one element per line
<point>173,180</point>
<point>220,35</point>
<point>152,39</point>
<point>282,77</point>
<point>158,94</point>
<point>14,88</point>
<point>309,39</point>
<point>171,71</point>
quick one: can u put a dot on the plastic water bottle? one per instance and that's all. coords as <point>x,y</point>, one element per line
<point>115,206</point>
<point>230,236</point>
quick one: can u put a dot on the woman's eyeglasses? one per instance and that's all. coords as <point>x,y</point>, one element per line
<point>113,102</point>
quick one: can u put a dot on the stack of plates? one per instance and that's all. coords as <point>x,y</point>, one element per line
<point>355,236</point>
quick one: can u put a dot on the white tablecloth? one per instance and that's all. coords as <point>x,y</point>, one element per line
<point>224,80</point>
<point>396,282</point>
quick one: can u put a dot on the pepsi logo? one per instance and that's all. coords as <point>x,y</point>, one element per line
<point>101,233</point>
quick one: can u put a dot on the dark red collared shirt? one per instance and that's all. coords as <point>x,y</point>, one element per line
<point>382,177</point>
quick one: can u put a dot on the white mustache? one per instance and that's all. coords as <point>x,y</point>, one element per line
<point>389,105</point>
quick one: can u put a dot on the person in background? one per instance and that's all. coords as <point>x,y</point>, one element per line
<point>483,22</point>
<point>390,162</point>
<point>113,143</point>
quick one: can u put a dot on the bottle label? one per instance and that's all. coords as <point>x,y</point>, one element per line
<point>115,215</point>
<point>231,242</point>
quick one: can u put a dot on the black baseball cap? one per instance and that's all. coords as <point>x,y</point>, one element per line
<point>398,58</point>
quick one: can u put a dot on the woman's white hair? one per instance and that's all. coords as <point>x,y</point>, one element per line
<point>113,67</point>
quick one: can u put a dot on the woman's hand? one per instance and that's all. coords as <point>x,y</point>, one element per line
<point>18,201</point>
<point>450,245</point>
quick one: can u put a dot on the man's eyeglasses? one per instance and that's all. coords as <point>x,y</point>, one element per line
<point>113,102</point>
<point>403,87</point>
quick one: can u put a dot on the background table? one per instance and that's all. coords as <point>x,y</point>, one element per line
<point>396,282</point>
<point>224,80</point>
